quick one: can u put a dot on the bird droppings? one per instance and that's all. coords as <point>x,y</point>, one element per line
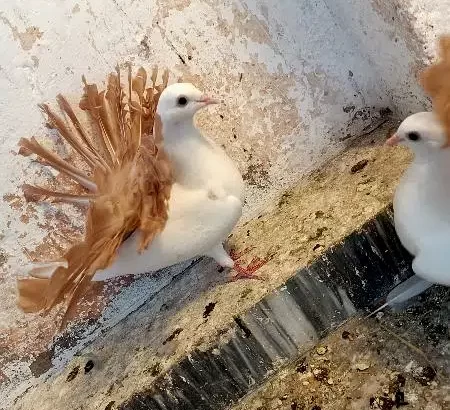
<point>174,334</point>
<point>208,309</point>
<point>88,366</point>
<point>359,166</point>
<point>73,373</point>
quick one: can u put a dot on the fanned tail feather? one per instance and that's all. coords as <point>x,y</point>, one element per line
<point>130,184</point>
<point>56,162</point>
<point>38,194</point>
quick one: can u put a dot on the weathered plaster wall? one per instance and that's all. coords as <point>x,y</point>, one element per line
<point>297,78</point>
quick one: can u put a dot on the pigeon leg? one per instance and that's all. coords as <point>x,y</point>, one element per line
<point>246,272</point>
<point>219,254</point>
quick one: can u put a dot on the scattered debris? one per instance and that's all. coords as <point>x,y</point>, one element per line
<point>73,373</point>
<point>400,399</point>
<point>381,402</point>
<point>3,257</point>
<point>321,350</point>
<point>110,405</point>
<point>317,246</point>
<point>246,292</point>
<point>154,370</point>
<point>424,375</point>
<point>319,214</point>
<point>88,366</point>
<point>302,367</point>
<point>175,333</point>
<point>321,373</point>
<point>359,166</point>
<point>284,199</point>
<point>208,309</point>
<point>362,366</point>
<point>347,335</point>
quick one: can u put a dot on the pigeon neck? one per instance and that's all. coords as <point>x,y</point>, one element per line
<point>433,158</point>
<point>174,131</point>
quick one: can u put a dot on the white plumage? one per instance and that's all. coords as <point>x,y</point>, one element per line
<point>422,203</point>
<point>206,199</point>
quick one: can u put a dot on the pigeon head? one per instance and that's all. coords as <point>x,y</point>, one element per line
<point>423,133</point>
<point>179,102</point>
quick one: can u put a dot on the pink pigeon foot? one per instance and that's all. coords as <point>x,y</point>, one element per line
<point>246,272</point>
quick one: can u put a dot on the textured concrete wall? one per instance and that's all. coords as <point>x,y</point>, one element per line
<point>298,79</point>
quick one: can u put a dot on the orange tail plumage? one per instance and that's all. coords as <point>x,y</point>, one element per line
<point>129,183</point>
<point>436,82</point>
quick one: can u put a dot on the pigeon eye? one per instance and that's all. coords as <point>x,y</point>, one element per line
<point>182,101</point>
<point>413,136</point>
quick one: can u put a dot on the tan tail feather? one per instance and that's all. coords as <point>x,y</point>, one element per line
<point>58,163</point>
<point>45,270</point>
<point>91,102</point>
<point>131,194</point>
<point>58,123</point>
<point>436,82</point>
<point>38,194</point>
<point>32,293</point>
<point>65,106</point>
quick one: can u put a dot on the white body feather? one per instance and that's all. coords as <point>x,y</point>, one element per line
<point>205,205</point>
<point>422,215</point>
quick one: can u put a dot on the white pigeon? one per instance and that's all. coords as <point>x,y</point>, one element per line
<point>206,199</point>
<point>422,203</point>
<point>160,192</point>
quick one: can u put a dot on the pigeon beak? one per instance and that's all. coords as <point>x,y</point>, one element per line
<point>392,141</point>
<point>205,100</point>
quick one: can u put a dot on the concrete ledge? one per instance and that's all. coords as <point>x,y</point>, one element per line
<point>197,311</point>
<point>347,279</point>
